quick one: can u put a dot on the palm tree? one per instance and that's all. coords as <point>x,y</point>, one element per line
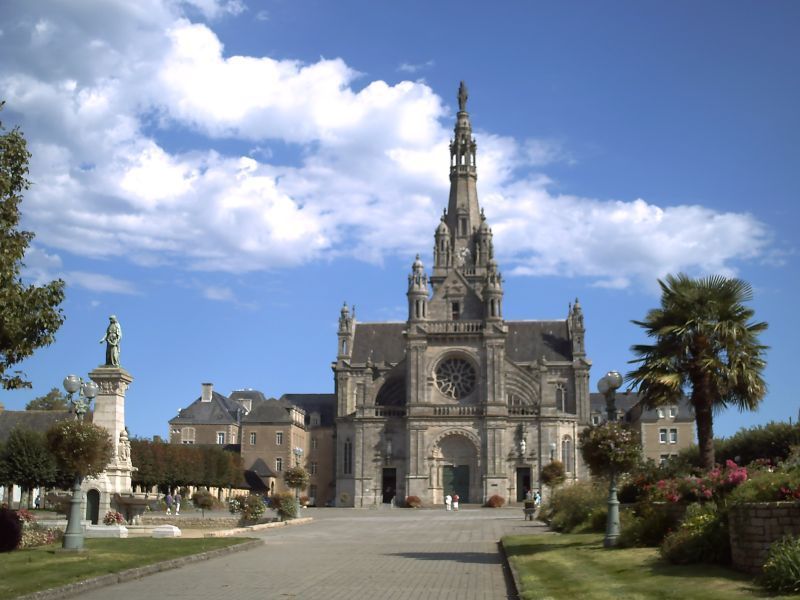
<point>704,345</point>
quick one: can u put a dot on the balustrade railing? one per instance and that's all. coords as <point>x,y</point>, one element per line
<point>453,326</point>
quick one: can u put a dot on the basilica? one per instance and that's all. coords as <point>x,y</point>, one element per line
<point>456,399</point>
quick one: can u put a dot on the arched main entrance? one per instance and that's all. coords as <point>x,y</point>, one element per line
<point>459,467</point>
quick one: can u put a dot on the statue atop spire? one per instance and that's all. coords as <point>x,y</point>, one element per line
<point>462,97</point>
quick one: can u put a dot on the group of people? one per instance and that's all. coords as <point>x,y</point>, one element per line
<point>535,496</point>
<point>451,502</point>
<point>173,501</point>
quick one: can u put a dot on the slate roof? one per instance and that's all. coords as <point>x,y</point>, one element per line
<point>384,340</point>
<point>36,420</point>
<point>324,404</point>
<point>219,411</point>
<point>253,395</point>
<point>629,402</point>
<point>260,468</point>
<point>269,411</point>
<point>528,341</point>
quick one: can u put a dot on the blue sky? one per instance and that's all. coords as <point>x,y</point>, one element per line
<point>222,175</point>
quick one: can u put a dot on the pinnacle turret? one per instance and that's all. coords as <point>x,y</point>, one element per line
<point>417,292</point>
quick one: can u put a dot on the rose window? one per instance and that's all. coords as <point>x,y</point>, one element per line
<point>455,378</point>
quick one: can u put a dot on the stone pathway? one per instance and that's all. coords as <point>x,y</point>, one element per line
<point>350,554</point>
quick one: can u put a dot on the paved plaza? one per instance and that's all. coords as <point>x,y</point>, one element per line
<point>352,553</point>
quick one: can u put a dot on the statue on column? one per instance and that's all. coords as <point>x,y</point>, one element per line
<point>112,339</point>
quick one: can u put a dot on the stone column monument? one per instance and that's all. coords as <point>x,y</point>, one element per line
<point>109,412</point>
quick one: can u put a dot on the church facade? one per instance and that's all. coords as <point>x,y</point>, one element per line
<point>457,399</point>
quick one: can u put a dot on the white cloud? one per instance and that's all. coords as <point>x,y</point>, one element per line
<point>371,180</point>
<point>413,68</point>
<point>97,282</point>
<point>219,294</point>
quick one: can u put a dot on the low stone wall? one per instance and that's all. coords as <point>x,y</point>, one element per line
<point>190,522</point>
<point>754,527</point>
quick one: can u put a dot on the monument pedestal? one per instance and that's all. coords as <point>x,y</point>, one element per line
<point>109,413</point>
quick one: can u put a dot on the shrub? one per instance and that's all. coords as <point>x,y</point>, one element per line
<point>767,486</point>
<point>495,501</point>
<point>413,502</point>
<point>10,530</point>
<point>35,535</point>
<point>113,518</point>
<point>204,500</point>
<point>254,508</point>
<point>610,446</point>
<point>648,527</point>
<point>553,474</point>
<point>702,537</point>
<point>236,504</point>
<point>285,505</point>
<point>781,572</point>
<point>25,516</point>
<point>571,506</point>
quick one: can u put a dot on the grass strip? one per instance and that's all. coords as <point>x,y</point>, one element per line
<point>577,566</point>
<point>34,569</point>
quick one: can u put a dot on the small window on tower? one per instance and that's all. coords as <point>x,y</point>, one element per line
<point>462,226</point>
<point>456,306</point>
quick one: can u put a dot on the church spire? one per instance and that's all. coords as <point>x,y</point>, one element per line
<point>463,212</point>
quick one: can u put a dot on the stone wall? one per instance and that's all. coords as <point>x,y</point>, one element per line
<point>191,522</point>
<point>754,527</point>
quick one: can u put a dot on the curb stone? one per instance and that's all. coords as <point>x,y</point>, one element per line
<point>509,569</point>
<point>259,527</point>
<point>80,587</point>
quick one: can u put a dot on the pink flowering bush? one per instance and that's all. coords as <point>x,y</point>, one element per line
<point>113,518</point>
<point>25,516</point>
<point>714,485</point>
<point>36,535</point>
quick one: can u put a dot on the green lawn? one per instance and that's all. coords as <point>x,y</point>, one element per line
<point>30,570</point>
<point>577,566</point>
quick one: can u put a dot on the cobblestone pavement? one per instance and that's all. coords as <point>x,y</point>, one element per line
<point>352,554</point>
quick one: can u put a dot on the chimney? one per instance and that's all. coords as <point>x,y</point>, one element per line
<point>208,390</point>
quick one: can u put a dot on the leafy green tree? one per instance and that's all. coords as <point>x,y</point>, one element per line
<point>52,400</point>
<point>706,344</point>
<point>553,474</point>
<point>28,462</point>
<point>80,448</point>
<point>29,314</point>
<point>610,447</point>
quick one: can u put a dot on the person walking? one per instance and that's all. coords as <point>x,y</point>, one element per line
<point>168,501</point>
<point>455,501</point>
<point>177,501</point>
<point>448,501</point>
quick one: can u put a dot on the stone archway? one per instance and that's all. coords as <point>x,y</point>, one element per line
<point>457,467</point>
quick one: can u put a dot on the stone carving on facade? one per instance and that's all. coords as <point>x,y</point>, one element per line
<point>124,446</point>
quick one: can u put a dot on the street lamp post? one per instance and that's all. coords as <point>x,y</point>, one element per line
<point>608,386</point>
<point>73,536</point>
